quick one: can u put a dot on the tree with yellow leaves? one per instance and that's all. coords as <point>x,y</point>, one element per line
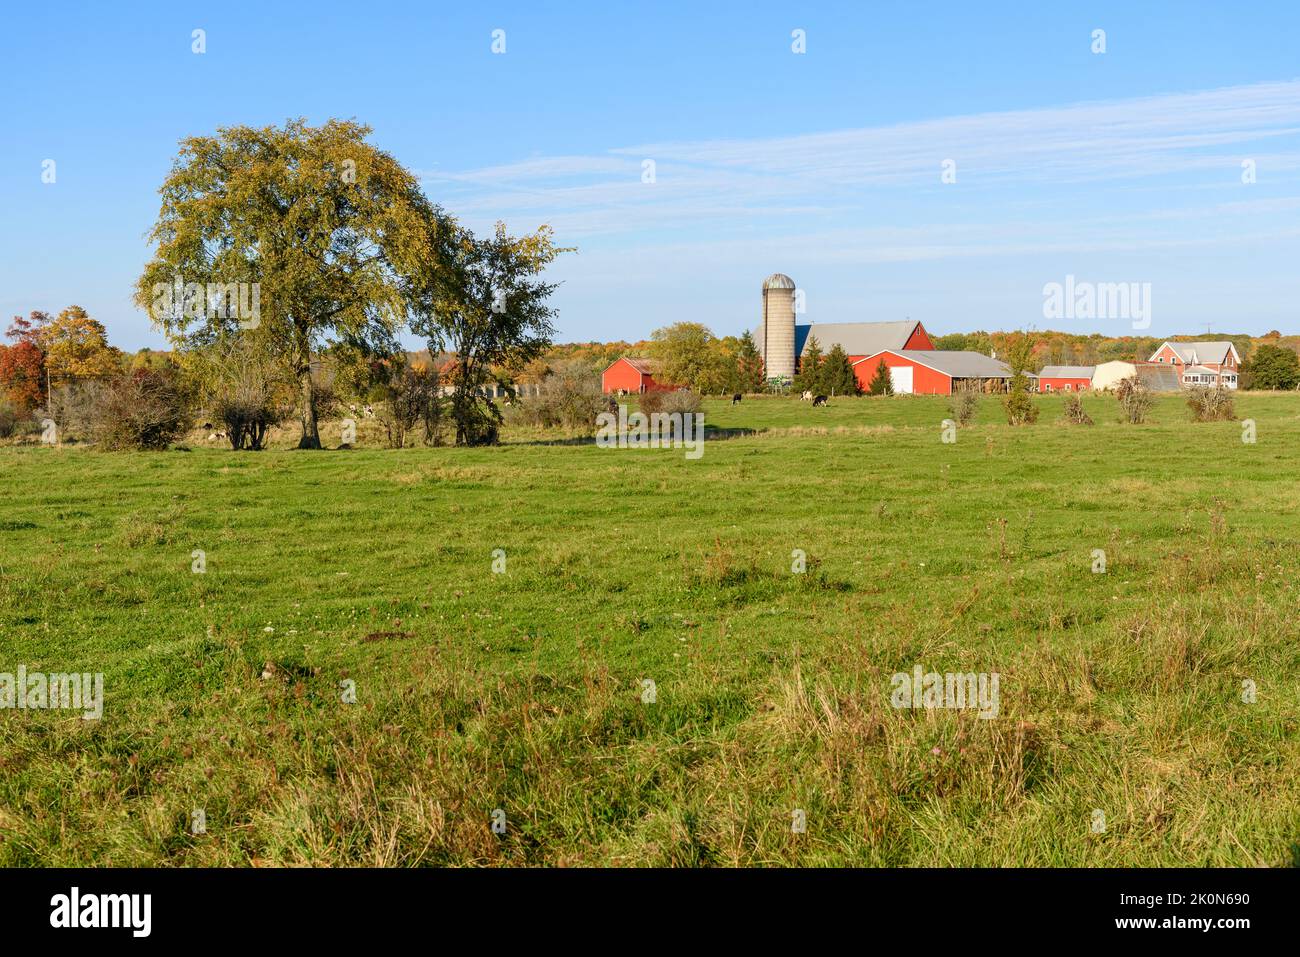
<point>76,348</point>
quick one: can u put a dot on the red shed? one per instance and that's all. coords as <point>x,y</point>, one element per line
<point>1065,378</point>
<point>632,374</point>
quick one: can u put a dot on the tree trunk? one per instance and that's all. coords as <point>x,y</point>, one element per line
<point>310,432</point>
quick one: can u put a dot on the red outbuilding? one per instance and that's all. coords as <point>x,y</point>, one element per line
<point>934,372</point>
<point>633,375</point>
<point>1065,378</point>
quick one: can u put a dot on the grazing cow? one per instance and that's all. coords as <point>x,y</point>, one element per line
<point>806,397</point>
<point>735,398</point>
<point>368,412</point>
<point>820,400</point>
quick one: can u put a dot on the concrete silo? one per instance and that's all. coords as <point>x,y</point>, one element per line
<point>778,327</point>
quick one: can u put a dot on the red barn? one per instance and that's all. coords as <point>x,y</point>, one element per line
<point>1065,378</point>
<point>632,374</point>
<point>934,372</point>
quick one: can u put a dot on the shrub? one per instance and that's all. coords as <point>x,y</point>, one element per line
<point>244,390</point>
<point>142,409</point>
<point>683,400</point>
<point>410,397</point>
<point>9,417</point>
<point>570,401</point>
<point>1134,399</point>
<point>1074,412</point>
<point>963,405</point>
<point>1019,405</point>
<point>1210,404</point>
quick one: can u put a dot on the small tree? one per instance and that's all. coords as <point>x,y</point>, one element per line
<point>809,376</point>
<point>750,373</point>
<point>882,383</point>
<point>1134,399</point>
<point>24,378</point>
<point>1019,405</point>
<point>488,306</point>
<point>837,374</point>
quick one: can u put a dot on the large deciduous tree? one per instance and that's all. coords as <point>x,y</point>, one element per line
<point>298,235</point>
<point>76,347</point>
<point>487,304</point>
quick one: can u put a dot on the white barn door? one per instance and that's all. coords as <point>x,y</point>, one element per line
<point>902,378</point>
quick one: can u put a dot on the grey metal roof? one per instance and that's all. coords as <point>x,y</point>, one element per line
<point>1066,372</point>
<point>855,338</point>
<point>778,280</point>
<point>959,365</point>
<point>1199,351</point>
<point>1159,378</point>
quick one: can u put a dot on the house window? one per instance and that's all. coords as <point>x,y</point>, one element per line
<point>1068,387</point>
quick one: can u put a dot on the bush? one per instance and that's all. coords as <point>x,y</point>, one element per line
<point>1074,412</point>
<point>963,405</point>
<point>1020,407</point>
<point>1134,399</point>
<point>408,398</point>
<point>9,418</point>
<point>1210,404</point>
<point>142,409</point>
<point>244,390</point>
<point>682,400</point>
<point>571,402</point>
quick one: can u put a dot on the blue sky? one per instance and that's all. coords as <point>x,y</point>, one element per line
<point>1117,167</point>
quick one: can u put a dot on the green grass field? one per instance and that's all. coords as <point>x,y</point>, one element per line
<point>1120,692</point>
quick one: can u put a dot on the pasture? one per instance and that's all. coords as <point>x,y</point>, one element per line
<point>1120,692</point>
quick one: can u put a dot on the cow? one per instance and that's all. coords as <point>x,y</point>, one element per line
<point>735,398</point>
<point>806,397</point>
<point>820,400</point>
<point>368,412</point>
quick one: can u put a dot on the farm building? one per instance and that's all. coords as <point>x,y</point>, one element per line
<point>1156,377</point>
<point>916,366</point>
<point>632,375</point>
<point>1201,363</point>
<point>1065,378</point>
<point>936,372</point>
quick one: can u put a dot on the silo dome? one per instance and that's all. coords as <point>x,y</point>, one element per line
<point>778,280</point>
